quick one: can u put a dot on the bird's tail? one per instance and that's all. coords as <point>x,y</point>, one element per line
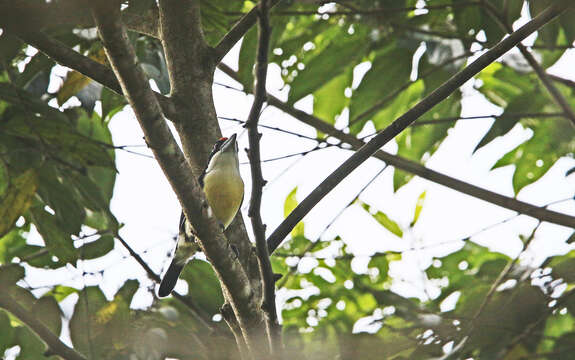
<point>170,278</point>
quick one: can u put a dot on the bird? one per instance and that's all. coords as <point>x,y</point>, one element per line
<point>224,190</point>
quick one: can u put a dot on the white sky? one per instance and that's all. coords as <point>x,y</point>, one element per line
<point>144,202</point>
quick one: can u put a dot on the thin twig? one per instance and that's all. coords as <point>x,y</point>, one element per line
<point>258,182</point>
<point>238,31</point>
<point>434,33</point>
<point>439,94</point>
<point>418,169</point>
<point>194,310</point>
<point>311,246</point>
<point>531,327</point>
<point>502,275</point>
<point>273,128</point>
<point>494,116</point>
<point>553,91</point>
<point>563,81</point>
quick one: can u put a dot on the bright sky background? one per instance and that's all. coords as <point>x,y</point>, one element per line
<point>145,203</point>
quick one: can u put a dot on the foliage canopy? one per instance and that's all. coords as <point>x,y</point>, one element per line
<point>57,175</point>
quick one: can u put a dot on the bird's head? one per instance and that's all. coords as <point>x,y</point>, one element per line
<point>228,144</point>
<point>224,153</point>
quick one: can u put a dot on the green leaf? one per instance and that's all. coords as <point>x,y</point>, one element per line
<point>528,102</point>
<point>151,56</point>
<point>467,18</point>
<point>247,58</point>
<point>58,134</point>
<point>126,293</point>
<point>418,208</point>
<point>60,292</point>
<point>550,51</point>
<point>326,64</point>
<point>31,347</point>
<point>58,241</point>
<point>419,142</point>
<point>11,274</point>
<point>552,138</point>
<point>563,347</point>
<point>10,46</point>
<point>4,178</point>
<point>204,287</point>
<point>398,106</point>
<point>217,18</point>
<point>563,266</point>
<point>289,205</point>
<point>6,332</point>
<point>379,261</point>
<point>112,103</point>
<point>93,312</point>
<point>61,197</point>
<point>47,310</point>
<point>557,325</point>
<point>278,265</point>
<point>387,74</point>
<point>384,220</point>
<point>97,248</point>
<point>330,100</point>
<point>17,199</point>
<point>297,245</point>
<point>12,244</point>
<point>548,32</point>
<point>566,21</point>
<point>502,84</point>
<point>89,192</point>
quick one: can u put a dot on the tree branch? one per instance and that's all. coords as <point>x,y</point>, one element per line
<point>258,182</point>
<point>406,119</point>
<point>237,32</point>
<point>55,346</point>
<point>553,91</point>
<point>563,81</point>
<point>498,281</point>
<point>66,56</point>
<point>183,41</point>
<point>191,68</point>
<point>539,115</point>
<point>529,329</point>
<point>418,169</point>
<point>176,168</point>
<point>194,310</point>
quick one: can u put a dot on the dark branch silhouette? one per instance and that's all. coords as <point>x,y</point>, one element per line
<point>405,120</point>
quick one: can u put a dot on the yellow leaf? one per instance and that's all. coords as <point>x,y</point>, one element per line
<point>75,81</point>
<point>17,199</point>
<point>105,314</point>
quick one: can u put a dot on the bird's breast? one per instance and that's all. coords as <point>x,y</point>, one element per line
<point>224,191</point>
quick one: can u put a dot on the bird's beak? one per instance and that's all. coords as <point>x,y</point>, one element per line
<point>230,145</point>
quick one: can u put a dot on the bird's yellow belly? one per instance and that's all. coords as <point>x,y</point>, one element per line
<point>225,193</point>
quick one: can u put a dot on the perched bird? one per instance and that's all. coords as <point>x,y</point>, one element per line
<point>224,191</point>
